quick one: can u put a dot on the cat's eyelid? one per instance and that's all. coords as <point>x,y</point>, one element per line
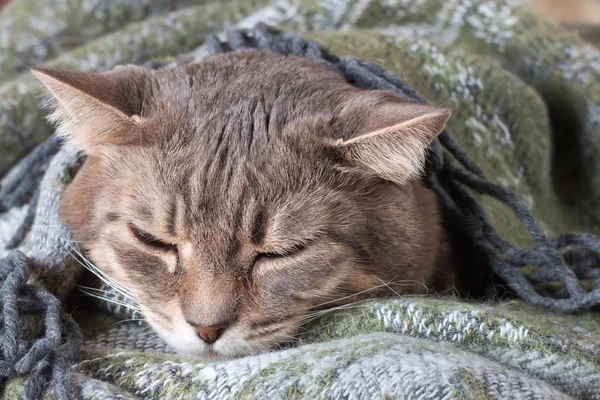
<point>150,240</point>
<point>289,250</point>
<point>146,230</point>
<point>137,230</point>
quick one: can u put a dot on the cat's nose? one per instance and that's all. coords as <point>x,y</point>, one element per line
<point>210,334</point>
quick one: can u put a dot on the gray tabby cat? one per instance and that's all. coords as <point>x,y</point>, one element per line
<point>235,196</point>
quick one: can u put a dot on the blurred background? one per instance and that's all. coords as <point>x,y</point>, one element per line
<point>583,15</point>
<point>570,11</point>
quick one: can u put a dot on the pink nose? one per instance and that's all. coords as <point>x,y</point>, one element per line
<point>210,334</point>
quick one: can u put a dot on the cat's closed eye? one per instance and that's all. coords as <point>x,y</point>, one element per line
<point>150,240</point>
<point>287,252</point>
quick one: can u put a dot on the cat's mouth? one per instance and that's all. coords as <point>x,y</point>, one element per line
<point>211,354</point>
<point>183,339</point>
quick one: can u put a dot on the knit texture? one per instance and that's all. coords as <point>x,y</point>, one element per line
<point>413,347</point>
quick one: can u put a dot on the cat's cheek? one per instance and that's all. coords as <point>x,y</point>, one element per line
<point>105,259</point>
<point>232,344</point>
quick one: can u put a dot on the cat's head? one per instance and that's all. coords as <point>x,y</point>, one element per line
<point>234,196</point>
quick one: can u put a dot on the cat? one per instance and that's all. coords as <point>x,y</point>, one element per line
<point>234,196</point>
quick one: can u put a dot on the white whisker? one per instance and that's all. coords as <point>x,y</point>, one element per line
<point>104,291</point>
<point>349,296</point>
<point>100,274</point>
<point>129,320</point>
<point>113,301</point>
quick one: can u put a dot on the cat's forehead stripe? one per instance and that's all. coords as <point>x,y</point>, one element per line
<point>172,218</point>
<point>112,217</point>
<point>144,212</point>
<point>259,227</point>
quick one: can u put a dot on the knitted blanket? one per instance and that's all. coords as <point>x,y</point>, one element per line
<point>527,99</point>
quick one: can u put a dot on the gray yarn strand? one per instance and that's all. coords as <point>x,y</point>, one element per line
<point>46,359</point>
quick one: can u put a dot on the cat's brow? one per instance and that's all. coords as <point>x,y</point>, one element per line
<point>112,217</point>
<point>144,212</point>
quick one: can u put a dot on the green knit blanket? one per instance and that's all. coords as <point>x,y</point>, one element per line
<point>526,95</point>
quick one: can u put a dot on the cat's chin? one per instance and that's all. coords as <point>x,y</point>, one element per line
<point>195,350</point>
<point>186,344</point>
<point>183,342</point>
<point>205,354</point>
<point>211,354</point>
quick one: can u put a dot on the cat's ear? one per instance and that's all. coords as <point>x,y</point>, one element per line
<point>390,138</point>
<point>93,109</point>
